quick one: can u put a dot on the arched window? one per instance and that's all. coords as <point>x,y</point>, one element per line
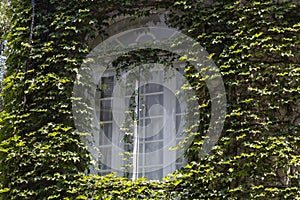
<point>126,95</point>
<point>142,143</point>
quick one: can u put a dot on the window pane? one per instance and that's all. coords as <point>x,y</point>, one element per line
<point>154,129</point>
<point>158,136</point>
<point>151,105</point>
<point>153,147</point>
<point>107,86</point>
<point>105,110</point>
<point>154,158</point>
<point>151,88</point>
<point>154,174</point>
<point>106,134</point>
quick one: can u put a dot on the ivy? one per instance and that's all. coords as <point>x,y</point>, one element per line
<point>255,44</point>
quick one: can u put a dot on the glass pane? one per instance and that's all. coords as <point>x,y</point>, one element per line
<point>158,136</point>
<point>105,110</point>
<point>151,88</point>
<point>154,174</point>
<point>153,105</point>
<point>141,148</point>
<point>153,147</point>
<point>154,158</point>
<point>106,136</point>
<point>150,154</point>
<point>107,86</point>
<point>154,129</point>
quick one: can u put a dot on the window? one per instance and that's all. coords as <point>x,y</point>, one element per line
<point>139,126</point>
<point>142,123</point>
<point>155,116</point>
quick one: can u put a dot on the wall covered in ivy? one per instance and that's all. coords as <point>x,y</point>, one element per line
<point>254,43</point>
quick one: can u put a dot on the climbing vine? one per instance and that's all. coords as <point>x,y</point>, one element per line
<point>256,46</point>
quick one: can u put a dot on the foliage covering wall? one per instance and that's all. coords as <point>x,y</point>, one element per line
<point>255,44</point>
